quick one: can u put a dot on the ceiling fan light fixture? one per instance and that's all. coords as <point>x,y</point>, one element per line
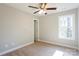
<point>42,8</point>
<point>41,11</point>
<point>44,11</point>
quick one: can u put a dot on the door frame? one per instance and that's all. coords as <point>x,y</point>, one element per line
<point>37,30</point>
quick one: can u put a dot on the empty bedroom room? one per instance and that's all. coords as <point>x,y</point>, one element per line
<point>39,29</point>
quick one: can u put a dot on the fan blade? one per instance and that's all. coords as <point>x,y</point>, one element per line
<point>33,7</point>
<point>45,5</point>
<point>51,8</point>
<point>41,5</point>
<point>36,12</point>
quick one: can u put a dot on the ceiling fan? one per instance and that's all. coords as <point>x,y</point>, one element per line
<point>42,8</point>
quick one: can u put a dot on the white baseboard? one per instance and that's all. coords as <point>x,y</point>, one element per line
<point>13,49</point>
<point>59,44</point>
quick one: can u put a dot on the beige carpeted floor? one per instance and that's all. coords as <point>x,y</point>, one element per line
<point>43,49</point>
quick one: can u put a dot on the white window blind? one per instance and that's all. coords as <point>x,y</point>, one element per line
<point>66,27</point>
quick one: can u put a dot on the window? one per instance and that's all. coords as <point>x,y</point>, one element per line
<point>66,27</point>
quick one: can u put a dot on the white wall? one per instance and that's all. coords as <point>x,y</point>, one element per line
<point>16,28</point>
<point>48,26</point>
<point>78,27</point>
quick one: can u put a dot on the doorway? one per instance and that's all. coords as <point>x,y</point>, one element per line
<point>36,30</point>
